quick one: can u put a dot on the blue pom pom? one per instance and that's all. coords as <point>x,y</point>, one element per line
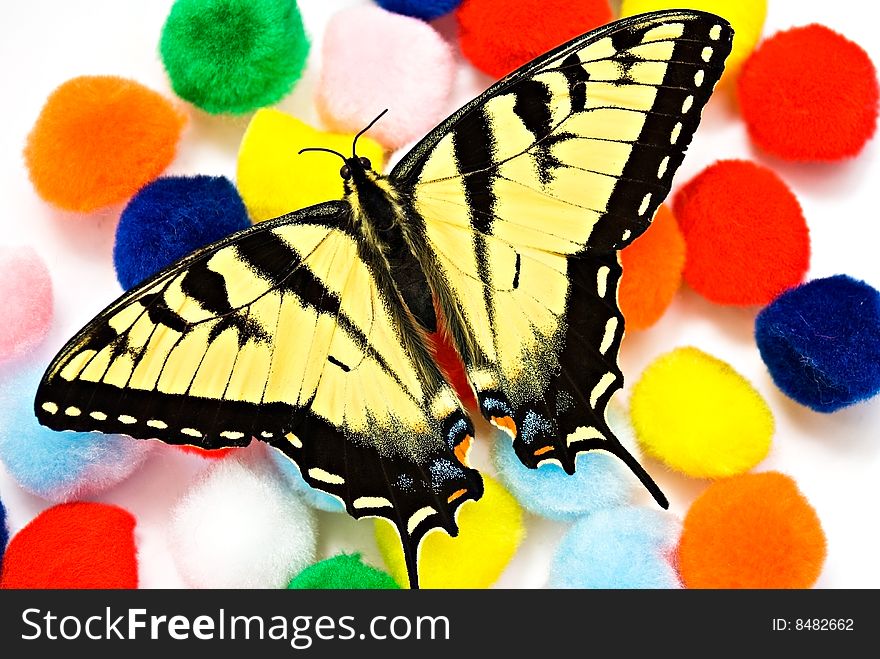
<point>314,498</point>
<point>600,481</point>
<point>169,218</point>
<point>821,342</point>
<point>424,9</point>
<point>58,466</point>
<point>4,533</point>
<point>618,548</point>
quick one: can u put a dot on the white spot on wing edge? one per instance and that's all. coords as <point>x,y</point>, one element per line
<point>293,439</point>
<point>418,517</point>
<point>98,416</point>
<point>706,54</point>
<point>698,77</point>
<point>663,165</point>
<point>610,332</point>
<point>192,432</point>
<point>644,206</point>
<point>602,280</point>
<point>232,434</point>
<point>673,138</point>
<point>51,408</point>
<point>325,476</point>
<point>601,387</point>
<point>687,103</point>
<point>126,418</point>
<point>73,411</point>
<point>582,433</point>
<point>715,32</point>
<point>155,423</point>
<point>372,502</point>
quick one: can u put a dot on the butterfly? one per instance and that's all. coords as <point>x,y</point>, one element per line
<point>500,229</point>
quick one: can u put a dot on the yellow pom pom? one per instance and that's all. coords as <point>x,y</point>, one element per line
<point>699,416</point>
<point>274,178</point>
<point>490,531</point>
<point>745,16</point>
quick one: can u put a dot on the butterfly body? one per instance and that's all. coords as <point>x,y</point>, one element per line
<point>501,229</point>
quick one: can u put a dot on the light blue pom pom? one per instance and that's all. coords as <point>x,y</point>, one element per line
<point>58,466</point>
<point>624,547</point>
<point>600,481</point>
<point>314,498</point>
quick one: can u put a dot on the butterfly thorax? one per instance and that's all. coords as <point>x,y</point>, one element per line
<point>374,201</point>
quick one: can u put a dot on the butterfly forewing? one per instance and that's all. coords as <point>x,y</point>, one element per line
<point>525,195</point>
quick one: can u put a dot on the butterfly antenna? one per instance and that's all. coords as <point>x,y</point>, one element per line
<point>369,126</point>
<point>320,148</point>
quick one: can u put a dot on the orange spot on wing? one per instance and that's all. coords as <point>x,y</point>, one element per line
<point>542,451</point>
<point>505,423</point>
<point>461,451</point>
<point>456,495</point>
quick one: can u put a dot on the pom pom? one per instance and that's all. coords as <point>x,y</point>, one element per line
<point>171,217</point>
<point>233,55</point>
<point>98,139</point>
<point>652,267</point>
<point>600,481</point>
<point>490,531</point>
<point>425,9</point>
<point>345,571</point>
<point>241,528</point>
<point>746,17</point>
<point>275,179</point>
<point>26,296</point>
<point>809,94</point>
<point>618,548</point>
<point>4,533</point>
<point>58,466</point>
<point>751,531</point>
<point>699,416</point>
<point>821,342</point>
<point>315,498</point>
<point>74,545</point>
<point>497,37</point>
<point>746,237</point>
<point>359,76</point>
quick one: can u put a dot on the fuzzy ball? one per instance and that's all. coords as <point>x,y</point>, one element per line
<point>4,533</point>
<point>171,217</point>
<point>747,239</point>
<point>751,531</point>
<point>239,526</point>
<point>821,342</point>
<point>361,77</point>
<point>600,481</point>
<point>618,548</point>
<point>490,531</point>
<point>74,545</point>
<point>233,55</point>
<point>498,37</point>
<point>58,466</point>
<point>746,17</point>
<point>652,267</point>
<point>699,416</point>
<point>98,139</point>
<point>343,571</point>
<point>425,9</point>
<point>274,178</point>
<point>25,300</point>
<point>809,94</point>
<point>315,498</point>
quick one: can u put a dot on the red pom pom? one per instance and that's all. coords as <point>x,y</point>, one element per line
<point>73,545</point>
<point>498,37</point>
<point>809,94</point>
<point>745,235</point>
<point>212,454</point>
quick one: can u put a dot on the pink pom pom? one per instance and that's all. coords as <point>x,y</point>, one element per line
<point>372,60</point>
<point>25,301</point>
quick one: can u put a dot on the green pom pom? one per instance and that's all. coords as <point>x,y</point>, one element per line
<point>345,571</point>
<point>233,56</point>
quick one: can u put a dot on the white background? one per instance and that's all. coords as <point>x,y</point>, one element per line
<point>835,459</point>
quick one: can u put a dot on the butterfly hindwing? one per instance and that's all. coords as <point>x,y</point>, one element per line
<point>525,195</point>
<point>281,332</point>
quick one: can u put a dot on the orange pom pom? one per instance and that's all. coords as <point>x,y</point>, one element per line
<point>652,268</point>
<point>751,531</point>
<point>98,140</point>
<point>746,238</point>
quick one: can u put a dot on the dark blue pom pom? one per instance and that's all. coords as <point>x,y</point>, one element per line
<point>821,342</point>
<point>424,9</point>
<point>169,218</point>
<point>4,532</point>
